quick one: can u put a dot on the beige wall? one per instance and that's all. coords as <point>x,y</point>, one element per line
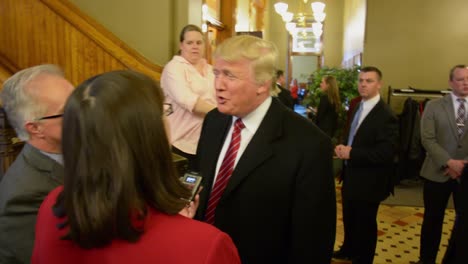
<point>275,32</point>
<point>416,42</point>
<point>144,25</point>
<point>354,25</point>
<point>333,33</point>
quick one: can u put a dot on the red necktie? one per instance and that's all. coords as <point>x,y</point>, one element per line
<point>225,171</point>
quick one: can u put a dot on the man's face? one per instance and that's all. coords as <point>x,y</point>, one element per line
<point>281,80</point>
<point>52,92</point>
<point>369,85</point>
<point>237,92</point>
<point>459,82</point>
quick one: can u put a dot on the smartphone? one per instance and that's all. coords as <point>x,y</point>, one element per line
<point>193,181</point>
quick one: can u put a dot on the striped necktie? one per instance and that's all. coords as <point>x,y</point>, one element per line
<point>461,116</point>
<point>225,171</point>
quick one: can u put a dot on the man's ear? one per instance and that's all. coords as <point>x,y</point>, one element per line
<point>33,128</point>
<point>264,87</point>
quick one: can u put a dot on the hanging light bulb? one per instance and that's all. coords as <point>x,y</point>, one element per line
<point>281,8</point>
<point>317,29</point>
<point>319,17</point>
<point>303,17</point>
<point>287,17</point>
<point>318,7</point>
<point>290,27</point>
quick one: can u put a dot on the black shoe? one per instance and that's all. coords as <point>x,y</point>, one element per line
<point>341,255</point>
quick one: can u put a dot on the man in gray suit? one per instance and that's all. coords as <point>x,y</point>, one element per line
<point>443,135</point>
<point>33,100</point>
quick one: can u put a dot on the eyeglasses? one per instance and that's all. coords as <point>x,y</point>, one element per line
<point>49,117</point>
<point>167,108</point>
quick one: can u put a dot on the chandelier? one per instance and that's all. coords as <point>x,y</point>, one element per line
<point>303,18</point>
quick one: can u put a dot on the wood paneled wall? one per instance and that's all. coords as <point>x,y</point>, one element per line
<point>34,32</point>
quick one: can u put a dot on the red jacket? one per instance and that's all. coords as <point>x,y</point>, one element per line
<point>294,90</point>
<point>167,239</point>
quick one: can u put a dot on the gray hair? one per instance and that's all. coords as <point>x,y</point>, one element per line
<point>20,102</point>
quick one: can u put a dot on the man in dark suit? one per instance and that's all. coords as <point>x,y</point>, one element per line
<point>443,135</point>
<point>281,93</point>
<point>368,168</point>
<point>33,100</point>
<point>278,204</point>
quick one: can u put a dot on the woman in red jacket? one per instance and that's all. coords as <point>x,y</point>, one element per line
<point>121,197</point>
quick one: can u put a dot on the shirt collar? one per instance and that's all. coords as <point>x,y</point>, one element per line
<point>371,102</point>
<point>454,98</point>
<point>183,60</point>
<point>252,120</point>
<point>57,157</point>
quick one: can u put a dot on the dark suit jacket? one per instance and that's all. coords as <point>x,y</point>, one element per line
<point>285,97</point>
<point>279,205</point>
<point>23,188</point>
<point>369,173</point>
<point>327,117</point>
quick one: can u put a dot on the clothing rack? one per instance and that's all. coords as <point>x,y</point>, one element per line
<point>397,97</point>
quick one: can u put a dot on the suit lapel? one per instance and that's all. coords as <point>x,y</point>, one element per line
<point>259,148</point>
<point>447,105</point>
<point>368,120</point>
<point>348,128</point>
<point>218,135</point>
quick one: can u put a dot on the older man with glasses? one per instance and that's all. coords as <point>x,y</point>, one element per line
<point>33,100</point>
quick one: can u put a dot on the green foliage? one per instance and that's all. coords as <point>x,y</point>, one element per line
<point>347,82</point>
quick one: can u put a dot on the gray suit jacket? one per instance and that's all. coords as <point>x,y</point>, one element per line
<point>26,183</point>
<point>439,137</point>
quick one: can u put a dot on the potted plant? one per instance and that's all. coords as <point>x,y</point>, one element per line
<point>347,82</point>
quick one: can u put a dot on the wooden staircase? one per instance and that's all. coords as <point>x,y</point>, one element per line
<point>34,32</point>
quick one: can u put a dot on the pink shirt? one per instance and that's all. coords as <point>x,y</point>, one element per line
<point>183,85</point>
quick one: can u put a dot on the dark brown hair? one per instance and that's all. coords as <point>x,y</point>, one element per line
<point>333,92</point>
<point>188,28</point>
<point>372,69</point>
<point>279,73</point>
<point>452,70</point>
<point>117,159</point>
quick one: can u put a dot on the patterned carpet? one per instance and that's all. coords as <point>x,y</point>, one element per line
<point>399,233</point>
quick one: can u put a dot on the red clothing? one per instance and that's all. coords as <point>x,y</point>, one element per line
<point>294,90</point>
<point>167,239</point>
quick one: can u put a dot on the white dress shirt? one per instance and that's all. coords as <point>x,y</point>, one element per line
<point>367,106</point>
<point>252,122</point>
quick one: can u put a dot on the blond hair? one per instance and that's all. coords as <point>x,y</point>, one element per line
<point>262,54</point>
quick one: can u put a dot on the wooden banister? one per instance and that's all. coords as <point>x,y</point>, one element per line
<point>34,32</point>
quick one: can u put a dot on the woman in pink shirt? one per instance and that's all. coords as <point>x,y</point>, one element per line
<point>188,84</point>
